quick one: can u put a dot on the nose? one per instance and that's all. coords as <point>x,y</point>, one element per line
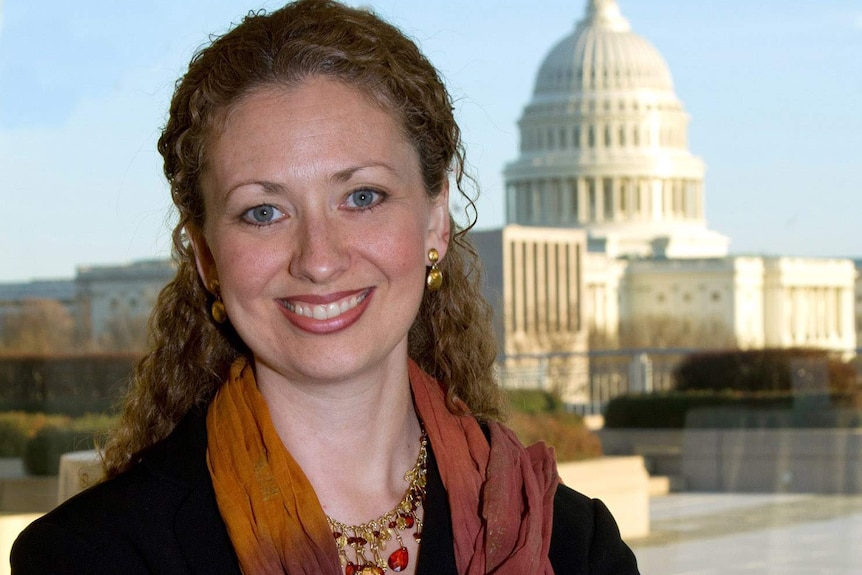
<point>320,255</point>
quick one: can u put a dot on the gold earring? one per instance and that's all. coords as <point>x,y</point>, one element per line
<point>217,309</point>
<point>434,278</point>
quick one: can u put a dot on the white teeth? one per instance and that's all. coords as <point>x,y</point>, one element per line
<point>328,311</point>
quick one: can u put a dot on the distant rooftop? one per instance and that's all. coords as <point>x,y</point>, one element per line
<point>144,268</point>
<point>63,290</point>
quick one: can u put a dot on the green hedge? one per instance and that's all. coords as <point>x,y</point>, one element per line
<point>42,453</point>
<point>701,410</point>
<point>12,440</point>
<point>766,370</point>
<point>71,406</point>
<point>534,401</point>
<point>71,385</point>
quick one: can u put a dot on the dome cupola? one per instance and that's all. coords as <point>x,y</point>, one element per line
<point>604,146</point>
<point>602,54</point>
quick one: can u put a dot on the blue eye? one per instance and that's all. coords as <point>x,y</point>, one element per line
<point>263,214</point>
<point>363,198</point>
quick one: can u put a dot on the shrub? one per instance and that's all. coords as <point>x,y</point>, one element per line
<point>656,410</point>
<point>42,453</point>
<point>12,440</point>
<point>539,415</point>
<point>534,401</point>
<point>566,432</point>
<point>71,385</point>
<point>766,370</point>
<point>677,410</point>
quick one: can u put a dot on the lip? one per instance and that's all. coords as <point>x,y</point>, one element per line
<point>287,306</point>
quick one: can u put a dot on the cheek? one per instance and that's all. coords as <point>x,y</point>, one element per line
<point>400,254</point>
<point>245,265</point>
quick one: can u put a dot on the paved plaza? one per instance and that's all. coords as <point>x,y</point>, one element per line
<point>736,534</point>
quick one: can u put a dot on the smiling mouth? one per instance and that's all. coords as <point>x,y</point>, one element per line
<point>325,311</point>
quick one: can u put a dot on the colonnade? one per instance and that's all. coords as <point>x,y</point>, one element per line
<point>605,135</point>
<point>817,314</point>
<point>586,200</point>
<point>542,287</point>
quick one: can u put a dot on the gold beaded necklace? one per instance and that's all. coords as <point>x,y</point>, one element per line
<point>360,547</point>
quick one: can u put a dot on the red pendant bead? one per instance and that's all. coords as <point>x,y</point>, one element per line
<point>398,559</point>
<point>350,569</point>
<point>409,521</point>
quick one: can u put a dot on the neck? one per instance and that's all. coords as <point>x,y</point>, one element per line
<point>354,439</point>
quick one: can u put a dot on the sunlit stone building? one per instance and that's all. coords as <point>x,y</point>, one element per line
<point>104,301</point>
<point>112,294</point>
<point>604,153</point>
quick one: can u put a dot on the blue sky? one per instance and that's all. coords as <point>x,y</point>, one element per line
<point>774,89</point>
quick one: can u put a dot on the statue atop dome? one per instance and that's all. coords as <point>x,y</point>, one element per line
<point>607,14</point>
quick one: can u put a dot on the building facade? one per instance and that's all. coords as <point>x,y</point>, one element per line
<point>110,296</point>
<point>109,304</point>
<point>604,153</point>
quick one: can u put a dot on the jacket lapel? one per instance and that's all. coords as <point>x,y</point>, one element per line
<point>198,527</point>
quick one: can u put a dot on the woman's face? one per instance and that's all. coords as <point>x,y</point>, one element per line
<point>317,228</point>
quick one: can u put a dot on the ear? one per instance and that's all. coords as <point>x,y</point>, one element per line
<point>203,256</point>
<point>439,222</point>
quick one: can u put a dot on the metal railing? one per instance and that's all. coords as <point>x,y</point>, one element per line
<point>587,381</point>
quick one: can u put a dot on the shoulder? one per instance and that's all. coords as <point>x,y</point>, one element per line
<point>585,538</point>
<point>94,530</point>
<point>151,517</point>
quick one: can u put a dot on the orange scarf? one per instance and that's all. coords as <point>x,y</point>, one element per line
<point>501,496</point>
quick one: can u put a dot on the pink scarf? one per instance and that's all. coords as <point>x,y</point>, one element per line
<point>501,496</point>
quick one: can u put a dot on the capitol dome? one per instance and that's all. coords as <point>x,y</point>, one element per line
<point>604,146</point>
<point>602,54</point>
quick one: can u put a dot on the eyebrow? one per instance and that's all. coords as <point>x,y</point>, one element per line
<point>275,188</point>
<point>347,173</point>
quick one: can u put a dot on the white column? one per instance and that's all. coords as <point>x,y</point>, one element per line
<point>846,313</point>
<point>536,207</point>
<point>617,199</point>
<point>600,199</point>
<point>583,201</point>
<point>530,291</point>
<point>565,190</point>
<point>540,281</point>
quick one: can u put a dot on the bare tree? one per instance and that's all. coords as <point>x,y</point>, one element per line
<point>663,331</point>
<point>42,326</point>
<point>124,332</point>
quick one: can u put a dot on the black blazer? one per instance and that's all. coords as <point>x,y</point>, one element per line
<point>161,517</point>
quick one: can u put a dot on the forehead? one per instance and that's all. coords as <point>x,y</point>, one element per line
<point>295,96</point>
<point>305,102</point>
<point>318,123</point>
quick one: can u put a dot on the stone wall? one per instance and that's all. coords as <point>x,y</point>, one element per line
<point>748,460</point>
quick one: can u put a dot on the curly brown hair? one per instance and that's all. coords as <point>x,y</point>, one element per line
<point>189,355</point>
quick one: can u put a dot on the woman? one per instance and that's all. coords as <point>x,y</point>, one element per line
<point>318,396</point>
